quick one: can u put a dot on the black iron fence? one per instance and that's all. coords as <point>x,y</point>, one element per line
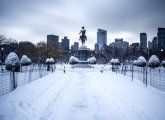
<point>149,76</point>
<point>10,80</point>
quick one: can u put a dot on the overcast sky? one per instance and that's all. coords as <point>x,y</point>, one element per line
<point>32,20</point>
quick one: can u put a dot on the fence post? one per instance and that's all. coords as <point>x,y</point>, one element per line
<point>132,73</point>
<point>146,76</point>
<point>14,83</point>
<point>143,74</point>
<point>64,69</point>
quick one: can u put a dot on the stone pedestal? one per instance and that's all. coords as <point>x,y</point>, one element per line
<point>83,53</point>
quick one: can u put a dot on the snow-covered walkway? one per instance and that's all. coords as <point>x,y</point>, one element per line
<point>83,94</point>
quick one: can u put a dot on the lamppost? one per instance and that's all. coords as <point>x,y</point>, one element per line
<point>2,49</point>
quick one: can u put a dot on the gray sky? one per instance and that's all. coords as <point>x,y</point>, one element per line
<point>32,20</point>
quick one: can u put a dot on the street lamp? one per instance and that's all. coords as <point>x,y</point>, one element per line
<point>2,49</point>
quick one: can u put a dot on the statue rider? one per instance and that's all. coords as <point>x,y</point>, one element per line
<point>83,36</point>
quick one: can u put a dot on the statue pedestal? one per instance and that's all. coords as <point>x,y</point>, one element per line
<point>82,53</point>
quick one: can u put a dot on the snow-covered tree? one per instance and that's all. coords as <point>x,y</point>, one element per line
<point>112,61</point>
<point>47,60</point>
<point>135,62</point>
<point>12,62</point>
<point>92,60</point>
<point>154,61</point>
<point>163,63</point>
<point>50,61</point>
<point>141,61</point>
<point>73,60</point>
<point>25,60</point>
<point>7,41</point>
<point>116,62</point>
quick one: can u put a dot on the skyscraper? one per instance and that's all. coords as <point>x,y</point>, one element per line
<point>96,47</point>
<point>143,41</point>
<point>76,46</point>
<point>161,38</point>
<point>52,42</point>
<point>101,38</point>
<point>150,46</point>
<point>154,44</point>
<point>65,44</point>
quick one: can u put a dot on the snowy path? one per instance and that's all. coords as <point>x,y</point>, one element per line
<point>83,95</point>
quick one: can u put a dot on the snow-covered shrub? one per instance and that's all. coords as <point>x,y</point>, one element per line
<point>73,60</point>
<point>12,62</point>
<point>141,61</point>
<point>50,61</point>
<point>47,60</point>
<point>135,62</point>
<point>92,60</point>
<point>154,61</point>
<point>112,61</point>
<point>163,63</point>
<point>116,62</point>
<point>25,60</point>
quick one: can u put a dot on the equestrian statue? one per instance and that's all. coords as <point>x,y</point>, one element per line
<point>83,37</point>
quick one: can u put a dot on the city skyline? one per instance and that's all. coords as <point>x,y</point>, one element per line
<point>30,20</point>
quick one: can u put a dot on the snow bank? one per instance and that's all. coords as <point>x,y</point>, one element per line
<point>12,62</point>
<point>25,60</point>
<point>73,60</point>
<point>92,60</point>
<point>154,61</point>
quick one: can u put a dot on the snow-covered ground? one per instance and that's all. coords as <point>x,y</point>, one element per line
<point>83,94</point>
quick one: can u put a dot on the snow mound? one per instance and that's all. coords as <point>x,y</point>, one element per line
<point>141,61</point>
<point>12,62</point>
<point>73,60</point>
<point>25,60</point>
<point>92,60</point>
<point>154,61</point>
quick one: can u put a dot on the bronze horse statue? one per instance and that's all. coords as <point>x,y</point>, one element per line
<point>83,37</point>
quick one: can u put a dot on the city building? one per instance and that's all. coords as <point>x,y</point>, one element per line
<point>134,49</point>
<point>136,45</point>
<point>143,41</point>
<point>161,38</point>
<point>96,47</point>
<point>101,38</point>
<point>154,44</point>
<point>65,44</point>
<point>74,47</point>
<point>119,47</point>
<point>52,42</point>
<point>150,46</point>
<point>60,45</point>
